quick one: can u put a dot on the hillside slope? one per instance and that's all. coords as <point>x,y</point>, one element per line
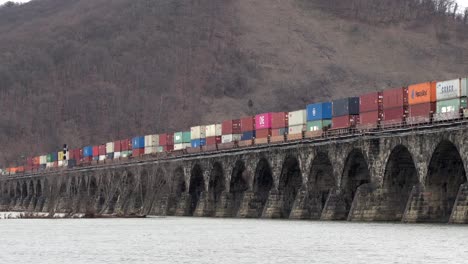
<point>91,71</point>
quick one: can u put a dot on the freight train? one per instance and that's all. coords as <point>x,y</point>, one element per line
<point>415,105</point>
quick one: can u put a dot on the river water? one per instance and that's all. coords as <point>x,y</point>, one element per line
<point>205,240</point>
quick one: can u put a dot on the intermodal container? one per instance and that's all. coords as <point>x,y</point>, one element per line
<point>110,156</point>
<point>279,131</point>
<point>248,135</point>
<point>36,160</point>
<point>109,147</point>
<point>117,146</point>
<point>346,107</point>
<point>296,118</point>
<point>166,139</point>
<point>138,143</point>
<point>370,102</point>
<point>61,156</point>
<point>318,125</point>
<point>348,121</point>
<point>213,140</point>
<point>136,152</point>
<point>263,121</point>
<point>102,150</point>
<point>230,138</point>
<point>263,133</point>
<point>43,159</point>
<point>298,129</point>
<point>117,155</point>
<point>369,118</point>
<point>152,140</point>
<point>95,151</point>
<point>279,120</point>
<point>231,127</point>
<point>422,93</point>
<point>450,89</point>
<point>126,144</point>
<point>319,111</point>
<point>149,150</point>
<point>102,157</point>
<point>197,132</point>
<point>396,114</point>
<point>197,143</point>
<point>54,156</point>
<point>396,97</point>
<point>186,137</point>
<point>247,124</point>
<point>181,146</point>
<point>422,110</point>
<point>167,148</point>
<point>178,137</point>
<point>213,130</point>
<point>452,105</point>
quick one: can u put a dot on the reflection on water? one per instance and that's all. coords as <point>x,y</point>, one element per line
<point>205,240</point>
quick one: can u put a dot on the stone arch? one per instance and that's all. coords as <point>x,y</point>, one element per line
<point>263,182</point>
<point>39,196</point>
<point>24,190</point>
<point>196,187</point>
<point>217,184</point>
<point>142,188</point>
<point>289,184</point>
<point>238,186</point>
<point>178,182</point>
<point>320,183</point>
<point>445,174</point>
<point>355,173</point>
<point>400,176</point>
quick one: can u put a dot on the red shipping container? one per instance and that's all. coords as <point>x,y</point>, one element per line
<point>396,97</point>
<point>126,144</point>
<point>278,131</point>
<point>36,160</point>
<point>394,114</point>
<point>369,118</point>
<point>29,161</point>
<point>370,102</point>
<point>138,152</point>
<point>166,139</point>
<point>117,146</point>
<point>86,159</point>
<point>231,127</point>
<point>279,120</point>
<point>102,150</point>
<point>422,110</point>
<point>168,148</point>
<point>345,121</point>
<point>248,124</point>
<point>263,133</point>
<point>95,151</point>
<point>213,140</point>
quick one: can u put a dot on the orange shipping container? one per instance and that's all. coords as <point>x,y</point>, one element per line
<point>422,93</point>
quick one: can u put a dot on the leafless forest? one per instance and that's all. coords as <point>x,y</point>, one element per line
<point>86,72</point>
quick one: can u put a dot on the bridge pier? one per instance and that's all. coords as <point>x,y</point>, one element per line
<point>251,206</point>
<point>335,207</point>
<point>183,205</point>
<point>460,209</point>
<point>274,206</point>
<point>302,205</point>
<point>205,206</point>
<point>224,206</point>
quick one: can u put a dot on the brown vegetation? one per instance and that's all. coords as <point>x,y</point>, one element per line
<point>89,71</point>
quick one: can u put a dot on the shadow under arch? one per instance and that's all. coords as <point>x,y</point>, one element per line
<point>445,174</point>
<point>197,186</point>
<point>217,184</point>
<point>263,182</point>
<point>355,173</point>
<point>238,186</point>
<point>320,183</point>
<point>289,184</point>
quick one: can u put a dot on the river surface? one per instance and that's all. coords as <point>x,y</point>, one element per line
<point>205,240</point>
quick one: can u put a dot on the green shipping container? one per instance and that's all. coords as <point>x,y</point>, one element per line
<point>50,158</point>
<point>159,149</point>
<point>186,137</point>
<point>178,137</point>
<point>452,105</point>
<point>318,124</point>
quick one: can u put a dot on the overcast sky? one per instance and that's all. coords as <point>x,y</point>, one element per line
<point>463,3</point>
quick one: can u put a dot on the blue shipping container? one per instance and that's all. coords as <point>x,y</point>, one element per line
<point>88,151</point>
<point>319,111</point>
<point>110,156</point>
<point>196,143</point>
<point>346,106</point>
<point>96,158</point>
<point>248,135</point>
<point>55,156</point>
<point>138,142</point>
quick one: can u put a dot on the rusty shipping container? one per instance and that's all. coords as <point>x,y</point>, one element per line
<point>422,93</point>
<point>370,102</point>
<point>231,127</point>
<point>396,97</point>
<point>213,140</point>
<point>248,123</point>
<point>263,133</point>
<point>369,119</point>
<point>394,115</point>
<point>348,121</point>
<point>279,120</point>
<point>166,139</point>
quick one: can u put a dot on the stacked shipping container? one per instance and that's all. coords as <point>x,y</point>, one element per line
<point>198,136</point>
<point>370,110</point>
<point>262,128</point>
<point>213,134</point>
<point>421,98</point>
<point>231,131</point>
<point>319,117</point>
<point>451,99</point>
<point>345,113</point>
<point>166,141</point>
<point>395,106</point>
<point>297,124</point>
<point>152,144</point>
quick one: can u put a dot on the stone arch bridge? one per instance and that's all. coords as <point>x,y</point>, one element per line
<point>409,175</point>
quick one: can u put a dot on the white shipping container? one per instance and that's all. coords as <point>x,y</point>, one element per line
<point>61,163</point>
<point>49,165</point>
<point>116,155</point>
<point>110,147</point>
<point>181,146</point>
<point>297,118</point>
<point>149,150</point>
<point>230,138</point>
<point>43,159</point>
<point>102,157</point>
<point>197,132</point>
<point>210,131</point>
<point>450,89</point>
<point>151,140</point>
<point>219,130</point>
<point>296,129</point>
